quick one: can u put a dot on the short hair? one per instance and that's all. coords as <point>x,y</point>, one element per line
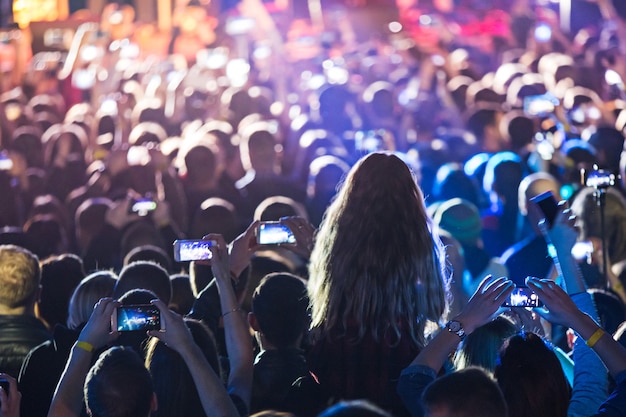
<point>466,393</point>
<point>118,385</point>
<point>144,275</point>
<point>149,253</point>
<point>92,288</point>
<point>354,408</point>
<point>280,305</point>
<point>20,276</point>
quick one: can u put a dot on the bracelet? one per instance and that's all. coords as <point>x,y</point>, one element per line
<point>86,346</point>
<point>618,287</point>
<point>231,311</point>
<point>595,337</point>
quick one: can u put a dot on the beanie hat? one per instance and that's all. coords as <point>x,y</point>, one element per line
<point>461,219</point>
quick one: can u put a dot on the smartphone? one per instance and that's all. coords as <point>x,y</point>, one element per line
<point>548,206</point>
<point>6,163</point>
<point>523,297</point>
<point>274,233</point>
<point>193,250</point>
<point>142,206</point>
<point>139,317</point>
<point>540,105</point>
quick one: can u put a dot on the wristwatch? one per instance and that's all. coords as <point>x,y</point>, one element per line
<point>456,327</point>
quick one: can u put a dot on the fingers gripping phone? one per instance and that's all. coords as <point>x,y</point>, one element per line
<point>138,317</point>
<point>193,250</point>
<point>274,233</point>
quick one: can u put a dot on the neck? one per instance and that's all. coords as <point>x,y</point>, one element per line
<point>264,344</point>
<point>17,311</point>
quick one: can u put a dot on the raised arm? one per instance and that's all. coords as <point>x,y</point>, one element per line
<point>480,309</point>
<point>68,397</point>
<point>561,309</point>
<point>236,331</point>
<point>590,380</point>
<point>213,395</point>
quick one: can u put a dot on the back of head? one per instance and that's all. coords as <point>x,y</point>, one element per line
<point>531,378</point>
<point>118,385</point>
<point>469,392</point>
<point>47,234</point>
<point>451,181</point>
<point>609,143</point>
<point>140,233</point>
<point>273,208</point>
<point>215,215</point>
<point>144,275</point>
<point>92,288</point>
<point>149,253</point>
<point>375,239</point>
<point>503,174</point>
<point>280,304</point>
<point>534,184</point>
<point>461,219</point>
<point>60,275</point>
<point>354,408</point>
<point>481,347</point>
<point>20,277</point>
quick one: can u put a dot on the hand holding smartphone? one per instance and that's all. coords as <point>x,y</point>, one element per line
<point>548,206</point>
<point>193,250</point>
<point>523,297</point>
<point>274,233</point>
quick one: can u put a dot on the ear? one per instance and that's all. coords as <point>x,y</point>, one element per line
<point>253,322</point>
<point>154,404</point>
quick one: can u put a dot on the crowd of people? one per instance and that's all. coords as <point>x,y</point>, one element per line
<point>406,168</point>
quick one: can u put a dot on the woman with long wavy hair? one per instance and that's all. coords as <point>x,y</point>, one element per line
<point>377,276</point>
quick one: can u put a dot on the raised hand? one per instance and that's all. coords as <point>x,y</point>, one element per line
<point>10,400</point>
<point>486,302</point>
<point>304,233</point>
<point>97,331</point>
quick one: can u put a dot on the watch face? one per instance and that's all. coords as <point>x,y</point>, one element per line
<point>454,326</point>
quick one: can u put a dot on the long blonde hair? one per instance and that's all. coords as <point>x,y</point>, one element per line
<point>375,261</point>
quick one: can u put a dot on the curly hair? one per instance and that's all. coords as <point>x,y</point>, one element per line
<point>375,261</point>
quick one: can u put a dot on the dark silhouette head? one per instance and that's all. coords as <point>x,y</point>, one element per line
<point>469,392</point>
<point>119,385</point>
<point>280,306</point>
<point>531,378</point>
<point>60,275</point>
<point>144,275</point>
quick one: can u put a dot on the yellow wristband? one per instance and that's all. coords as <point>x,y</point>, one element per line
<point>86,346</point>
<point>618,287</point>
<point>595,337</point>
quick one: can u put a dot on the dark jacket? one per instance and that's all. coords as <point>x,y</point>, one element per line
<point>282,382</point>
<point>42,370</point>
<point>18,335</point>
